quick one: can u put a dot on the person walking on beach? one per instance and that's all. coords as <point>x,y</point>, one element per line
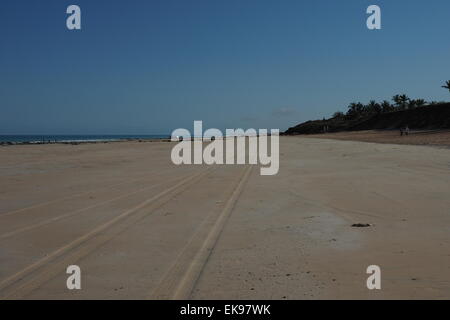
<point>404,131</point>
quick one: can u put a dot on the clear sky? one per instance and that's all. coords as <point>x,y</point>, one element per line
<point>148,67</point>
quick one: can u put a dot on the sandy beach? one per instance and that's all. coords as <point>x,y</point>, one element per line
<point>140,227</point>
<point>433,138</point>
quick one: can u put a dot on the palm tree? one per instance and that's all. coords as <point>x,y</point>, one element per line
<point>396,99</point>
<point>401,101</point>
<point>447,85</point>
<point>373,107</point>
<point>420,102</point>
<point>412,104</point>
<point>355,110</point>
<point>404,100</point>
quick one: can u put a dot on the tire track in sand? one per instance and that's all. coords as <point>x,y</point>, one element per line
<point>179,282</point>
<point>72,196</point>
<point>76,212</point>
<point>43,270</point>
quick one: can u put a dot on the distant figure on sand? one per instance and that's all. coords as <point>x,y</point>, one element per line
<point>404,131</point>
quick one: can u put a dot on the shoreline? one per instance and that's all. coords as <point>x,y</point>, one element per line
<point>78,142</point>
<point>101,141</point>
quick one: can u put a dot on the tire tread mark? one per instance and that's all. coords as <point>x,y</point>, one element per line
<point>75,212</point>
<point>179,281</point>
<point>72,196</point>
<point>36,274</point>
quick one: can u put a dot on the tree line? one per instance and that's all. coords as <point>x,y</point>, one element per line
<point>400,102</point>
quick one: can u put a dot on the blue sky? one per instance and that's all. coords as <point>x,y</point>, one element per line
<point>148,67</point>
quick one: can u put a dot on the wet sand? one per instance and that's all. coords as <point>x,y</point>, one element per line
<point>140,227</point>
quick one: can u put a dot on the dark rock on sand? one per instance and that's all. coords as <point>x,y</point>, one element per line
<point>361,225</point>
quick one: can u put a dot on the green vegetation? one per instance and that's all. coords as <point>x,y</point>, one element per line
<point>447,85</point>
<point>401,102</point>
<point>401,112</point>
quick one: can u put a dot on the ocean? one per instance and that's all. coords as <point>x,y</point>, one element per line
<point>76,138</point>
